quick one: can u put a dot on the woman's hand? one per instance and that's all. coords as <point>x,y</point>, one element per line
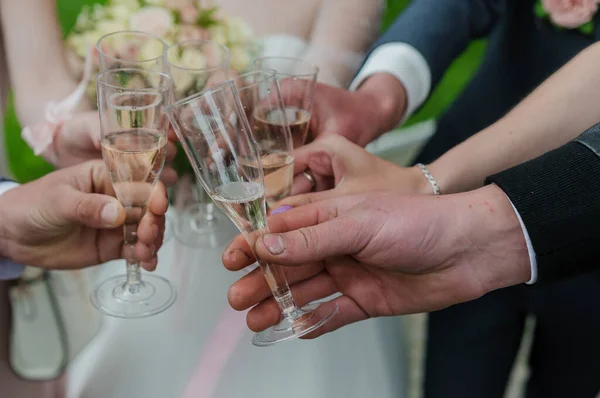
<point>340,167</point>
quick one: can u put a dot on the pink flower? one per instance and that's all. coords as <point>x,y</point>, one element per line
<point>152,20</point>
<point>571,13</point>
<point>188,14</point>
<point>191,33</point>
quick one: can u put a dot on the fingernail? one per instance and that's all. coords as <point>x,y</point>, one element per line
<point>153,250</point>
<point>274,243</point>
<point>109,213</point>
<point>155,231</point>
<point>281,209</point>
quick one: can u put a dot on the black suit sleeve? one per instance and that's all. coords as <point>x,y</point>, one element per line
<point>558,198</point>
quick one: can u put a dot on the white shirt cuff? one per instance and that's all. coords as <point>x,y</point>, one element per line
<point>532,257</point>
<point>5,186</point>
<point>404,62</point>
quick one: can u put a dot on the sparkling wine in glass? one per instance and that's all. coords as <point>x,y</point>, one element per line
<point>134,126</point>
<point>194,66</point>
<point>261,99</point>
<point>137,50</point>
<point>219,143</point>
<point>297,82</point>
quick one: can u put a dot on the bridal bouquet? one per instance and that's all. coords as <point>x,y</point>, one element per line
<point>173,20</point>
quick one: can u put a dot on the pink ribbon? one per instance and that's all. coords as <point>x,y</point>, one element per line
<point>220,347</point>
<point>40,136</point>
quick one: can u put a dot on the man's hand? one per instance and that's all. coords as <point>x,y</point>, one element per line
<point>78,140</point>
<point>70,219</point>
<point>340,167</point>
<point>360,116</point>
<point>387,254</point>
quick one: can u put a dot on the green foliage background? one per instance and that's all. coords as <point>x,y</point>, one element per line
<point>26,166</point>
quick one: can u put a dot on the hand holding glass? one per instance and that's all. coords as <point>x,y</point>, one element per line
<point>134,127</point>
<point>217,139</point>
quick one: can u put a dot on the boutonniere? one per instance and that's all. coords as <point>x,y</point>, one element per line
<point>569,14</point>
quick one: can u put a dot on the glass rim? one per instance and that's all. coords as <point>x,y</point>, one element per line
<point>160,88</point>
<point>290,59</point>
<point>224,49</point>
<point>137,32</point>
<point>195,96</point>
<point>268,72</point>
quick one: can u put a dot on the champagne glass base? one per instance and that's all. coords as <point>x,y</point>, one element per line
<point>155,295</point>
<point>200,225</point>
<point>307,319</point>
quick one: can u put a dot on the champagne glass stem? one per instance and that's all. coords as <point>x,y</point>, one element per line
<point>280,288</point>
<point>133,273</point>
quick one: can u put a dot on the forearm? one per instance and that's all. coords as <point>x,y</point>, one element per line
<point>341,35</point>
<point>8,269</point>
<point>35,55</point>
<point>554,114</point>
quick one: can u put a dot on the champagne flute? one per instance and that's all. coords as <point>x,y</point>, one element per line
<point>297,82</point>
<point>139,50</point>
<point>219,144</point>
<point>195,65</point>
<point>134,128</point>
<point>260,97</point>
<point>131,49</point>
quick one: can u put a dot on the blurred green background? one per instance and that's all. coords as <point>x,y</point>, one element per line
<point>26,166</point>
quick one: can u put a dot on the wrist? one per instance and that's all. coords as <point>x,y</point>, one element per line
<point>495,237</point>
<point>385,97</point>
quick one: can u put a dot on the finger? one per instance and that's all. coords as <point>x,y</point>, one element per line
<point>238,255</point>
<point>348,312</point>
<point>159,202</point>
<point>252,288</point>
<point>267,313</point>
<point>316,234</point>
<point>171,150</point>
<point>92,210</point>
<point>308,198</point>
<point>150,228</point>
<point>149,265</point>
<point>169,176</point>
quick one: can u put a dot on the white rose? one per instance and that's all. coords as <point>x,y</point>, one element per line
<point>192,59</point>
<point>79,44</point>
<point>182,80</point>
<point>98,12</point>
<point>159,3</point>
<point>120,12</point>
<point>239,59</point>
<point>151,49</point>
<point>238,31</point>
<point>110,26</point>
<point>132,5</point>
<point>84,19</point>
<point>219,34</point>
<point>154,20</point>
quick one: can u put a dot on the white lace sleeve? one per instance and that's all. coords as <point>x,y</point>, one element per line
<point>342,33</point>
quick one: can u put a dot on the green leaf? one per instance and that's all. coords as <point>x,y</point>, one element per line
<point>540,11</point>
<point>206,17</point>
<point>587,28</point>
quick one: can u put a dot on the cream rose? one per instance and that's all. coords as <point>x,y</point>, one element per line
<point>239,59</point>
<point>571,13</point>
<point>120,12</point>
<point>238,31</point>
<point>154,20</point>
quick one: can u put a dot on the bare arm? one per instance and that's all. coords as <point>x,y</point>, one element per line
<point>35,55</point>
<point>555,113</point>
<point>342,33</point>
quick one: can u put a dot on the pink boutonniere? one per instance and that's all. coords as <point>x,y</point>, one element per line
<point>569,14</point>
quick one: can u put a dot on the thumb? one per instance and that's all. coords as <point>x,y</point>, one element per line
<point>93,210</point>
<point>337,237</point>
